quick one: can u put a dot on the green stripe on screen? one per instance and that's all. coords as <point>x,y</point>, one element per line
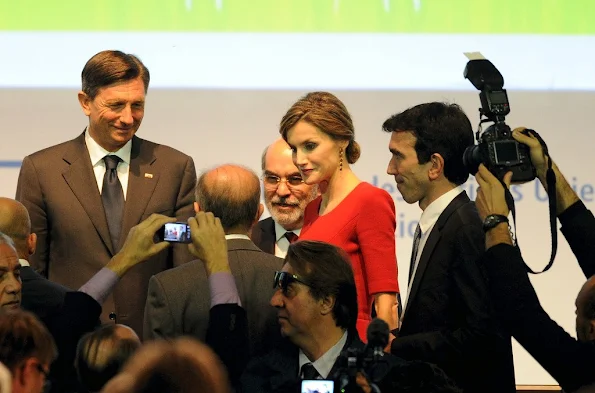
<point>433,16</point>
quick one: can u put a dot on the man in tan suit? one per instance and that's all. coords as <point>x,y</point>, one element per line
<point>84,195</point>
<point>179,300</point>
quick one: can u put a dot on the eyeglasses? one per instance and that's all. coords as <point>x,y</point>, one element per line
<point>47,384</point>
<point>284,279</point>
<point>272,181</point>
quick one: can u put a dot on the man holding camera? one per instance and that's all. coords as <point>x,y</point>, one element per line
<point>447,315</point>
<point>569,361</point>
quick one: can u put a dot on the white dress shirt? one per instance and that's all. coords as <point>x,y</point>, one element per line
<point>281,242</point>
<point>97,153</point>
<point>426,223</point>
<point>325,363</point>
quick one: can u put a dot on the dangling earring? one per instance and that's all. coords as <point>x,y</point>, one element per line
<point>341,159</point>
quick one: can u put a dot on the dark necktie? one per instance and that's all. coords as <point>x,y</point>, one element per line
<point>416,239</point>
<point>112,197</point>
<point>308,372</point>
<point>292,237</point>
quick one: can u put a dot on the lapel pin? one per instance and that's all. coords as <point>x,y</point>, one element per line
<point>149,175</point>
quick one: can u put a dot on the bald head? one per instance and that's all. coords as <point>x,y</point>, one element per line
<point>277,149</point>
<point>232,193</point>
<point>15,223</point>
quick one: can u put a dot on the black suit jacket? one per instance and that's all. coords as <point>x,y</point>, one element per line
<point>227,335</point>
<point>40,295</point>
<point>570,362</point>
<point>78,315</point>
<point>448,317</point>
<point>278,370</point>
<point>263,235</point>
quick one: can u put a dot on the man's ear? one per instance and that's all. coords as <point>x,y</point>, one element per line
<point>196,207</point>
<point>326,305</point>
<point>591,333</point>
<point>436,168</point>
<point>85,102</point>
<point>31,243</point>
<point>259,212</point>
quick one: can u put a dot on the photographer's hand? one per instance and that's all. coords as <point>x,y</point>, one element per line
<point>139,245</point>
<point>538,157</point>
<point>208,242</point>
<point>565,195</point>
<point>491,200</point>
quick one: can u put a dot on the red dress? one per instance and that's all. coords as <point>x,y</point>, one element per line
<point>363,225</point>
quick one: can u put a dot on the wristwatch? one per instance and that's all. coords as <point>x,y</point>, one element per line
<point>492,220</point>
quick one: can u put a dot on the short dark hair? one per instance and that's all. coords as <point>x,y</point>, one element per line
<point>109,67</point>
<point>438,128</point>
<point>23,336</point>
<point>93,371</point>
<point>327,270</point>
<point>236,205</point>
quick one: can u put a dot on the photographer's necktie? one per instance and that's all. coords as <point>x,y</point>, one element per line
<point>308,372</point>
<point>416,239</point>
<point>112,197</point>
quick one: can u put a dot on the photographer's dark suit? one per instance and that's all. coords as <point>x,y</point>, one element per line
<point>448,318</point>
<point>58,187</point>
<point>570,362</point>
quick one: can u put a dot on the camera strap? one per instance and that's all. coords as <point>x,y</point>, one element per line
<point>552,203</point>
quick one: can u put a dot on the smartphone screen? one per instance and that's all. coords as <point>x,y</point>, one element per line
<point>177,232</point>
<point>318,386</point>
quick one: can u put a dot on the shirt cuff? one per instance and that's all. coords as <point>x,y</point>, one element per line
<point>223,289</point>
<point>100,285</point>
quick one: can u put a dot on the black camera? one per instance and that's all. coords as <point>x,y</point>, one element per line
<point>495,148</point>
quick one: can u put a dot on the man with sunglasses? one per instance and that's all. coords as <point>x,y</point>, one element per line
<point>286,197</point>
<point>316,305</point>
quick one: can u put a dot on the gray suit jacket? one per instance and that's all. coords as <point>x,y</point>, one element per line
<point>179,300</point>
<point>58,187</point>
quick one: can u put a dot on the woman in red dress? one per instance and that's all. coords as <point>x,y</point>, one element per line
<point>350,213</point>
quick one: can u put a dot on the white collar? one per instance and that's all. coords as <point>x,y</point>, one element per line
<point>434,210</point>
<point>325,363</point>
<point>236,236</point>
<point>280,231</point>
<point>24,262</point>
<point>96,152</point>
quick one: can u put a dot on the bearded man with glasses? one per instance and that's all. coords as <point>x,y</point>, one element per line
<point>286,197</point>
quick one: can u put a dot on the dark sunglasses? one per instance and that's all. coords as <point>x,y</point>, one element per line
<point>284,279</point>
<point>47,384</point>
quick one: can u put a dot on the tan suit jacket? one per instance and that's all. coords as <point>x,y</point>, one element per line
<point>58,187</point>
<point>179,300</point>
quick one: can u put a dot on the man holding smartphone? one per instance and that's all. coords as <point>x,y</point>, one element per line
<point>179,301</point>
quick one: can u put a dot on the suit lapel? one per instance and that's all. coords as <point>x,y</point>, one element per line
<point>80,178</point>
<point>268,236</point>
<point>142,180</point>
<point>431,243</point>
